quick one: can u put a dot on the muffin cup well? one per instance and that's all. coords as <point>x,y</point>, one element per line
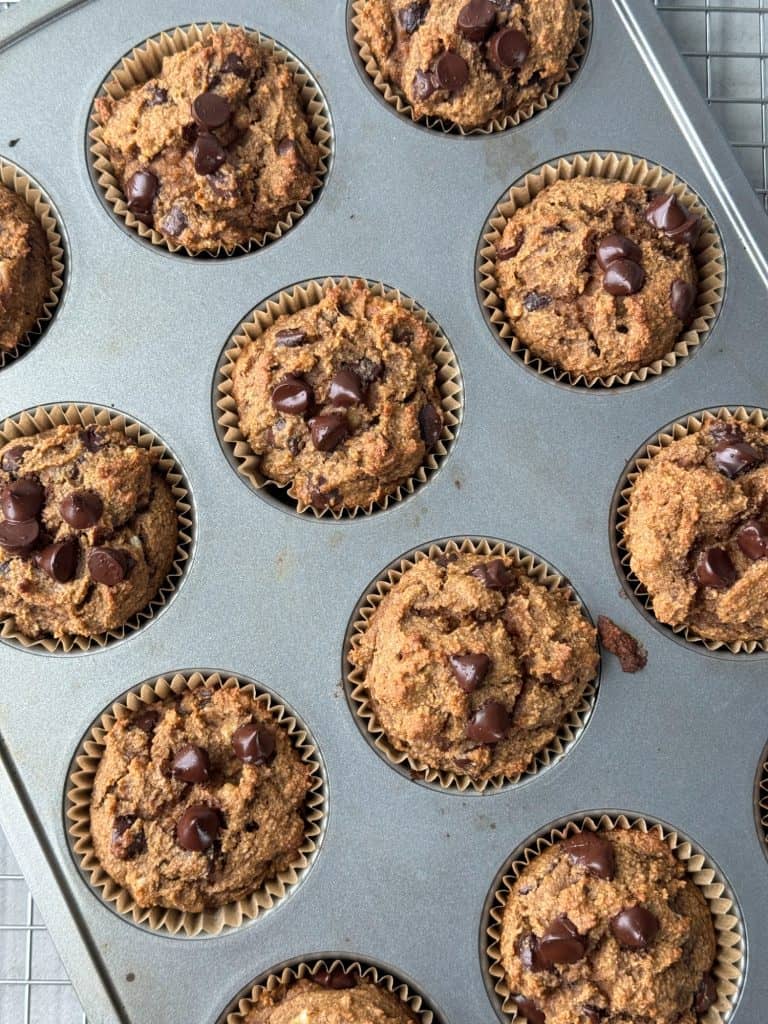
<point>145,62</point>
<point>397,99</point>
<point>308,293</point>
<point>17,181</point>
<point>620,510</point>
<point>359,699</point>
<point>297,970</point>
<point>46,417</point>
<point>708,255</point>
<point>728,968</point>
<point>165,920</point>
<point>761,800</point>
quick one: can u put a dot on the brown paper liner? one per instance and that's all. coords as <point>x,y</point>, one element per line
<point>728,969</point>
<point>708,255</point>
<point>45,417</point>
<point>296,971</point>
<point>397,99</point>
<point>145,62</point>
<point>673,432</point>
<point>761,800</point>
<point>163,919</point>
<point>308,293</point>
<point>359,698</point>
<point>17,181</point>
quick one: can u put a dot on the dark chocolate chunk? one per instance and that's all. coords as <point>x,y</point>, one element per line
<point>253,744</point>
<point>687,233</point>
<point>592,852</point>
<point>451,71</point>
<point>509,49</point>
<point>59,561</point>
<point>19,538</point>
<point>108,566</point>
<point>191,764</point>
<point>145,720</point>
<point>534,301</point>
<point>22,499</point>
<point>156,96</point>
<point>617,247</point>
<point>197,828</point>
<point>328,431</point>
<point>490,723</point>
<point>346,389</point>
<point>430,425</point>
<point>715,569</point>
<point>81,509</point>
<point>665,213</point>
<point>528,951</point>
<point>752,538</point>
<point>175,222</point>
<point>423,85</point>
<point>336,979</point>
<point>211,110</point>
<point>476,19</point>
<point>208,154</point>
<point>293,396</point>
<point>508,251</point>
<point>623,277</point>
<point>594,1014</point>
<point>92,439</point>
<point>127,842</point>
<point>289,147</point>
<point>493,574</point>
<point>233,65</point>
<point>622,644</point>
<point>290,337</point>
<point>682,299</point>
<point>412,16</point>
<point>140,191</point>
<point>734,457</point>
<point>635,927</point>
<point>561,943</point>
<point>12,458</point>
<point>528,1010</point>
<point>470,670</point>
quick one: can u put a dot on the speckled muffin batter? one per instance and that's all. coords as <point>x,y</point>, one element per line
<point>604,927</point>
<point>330,997</point>
<point>697,531</point>
<point>470,62</point>
<point>198,800</point>
<point>217,148</point>
<point>88,531</point>
<point>472,666</point>
<point>340,399</point>
<point>25,269</point>
<point>597,276</point>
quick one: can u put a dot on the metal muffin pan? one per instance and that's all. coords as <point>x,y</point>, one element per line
<point>404,870</point>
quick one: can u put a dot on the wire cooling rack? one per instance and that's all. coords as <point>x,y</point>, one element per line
<point>726,46</point>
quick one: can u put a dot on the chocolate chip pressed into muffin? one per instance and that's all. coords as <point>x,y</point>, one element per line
<point>473,62</point>
<point>603,926</point>
<point>697,531</point>
<point>472,666</point>
<point>217,148</point>
<point>198,800</point>
<point>88,531</point>
<point>25,269</point>
<point>598,276</point>
<point>340,399</point>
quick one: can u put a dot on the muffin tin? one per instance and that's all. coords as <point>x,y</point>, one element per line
<point>403,872</point>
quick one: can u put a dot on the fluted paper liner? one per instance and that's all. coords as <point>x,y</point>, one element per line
<point>707,253</point>
<point>524,561</point>
<point>145,62</point>
<point>761,800</point>
<point>46,417</point>
<point>309,293</point>
<point>307,968</point>
<point>80,789</point>
<point>17,181</point>
<point>688,425</point>
<point>397,99</point>
<point>728,968</point>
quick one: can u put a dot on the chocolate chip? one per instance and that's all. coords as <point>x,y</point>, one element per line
<point>92,439</point>
<point>490,723</point>
<point>715,569</point>
<point>635,927</point>
<point>59,561</point>
<point>534,301</point>
<point>423,85</point>
<point>191,764</point>
<point>328,431</point>
<point>451,71</point>
<point>156,96</point>
<point>108,566</point>
<point>430,425</point>
<point>561,943</point>
<point>293,396</point>
<point>617,247</point>
<point>594,1014</point>
<point>527,1009</point>
<point>688,233</point>
<point>140,191</point>
<point>346,389</point>
<point>470,670</point>
<point>22,499</point>
<point>494,575</point>
<point>623,277</point>
<point>508,251</point>
<point>175,222</point>
<point>592,852</point>
<point>508,48</point>
<point>336,979</point>
<point>734,457</point>
<point>12,458</point>
<point>412,16</point>
<point>233,65</point>
<point>197,828</point>
<point>211,110</point>
<point>208,154</point>
<point>81,509</point>
<point>290,337</point>
<point>476,19</point>
<point>145,720</point>
<point>528,952</point>
<point>19,538</point>
<point>682,298</point>
<point>253,744</point>
<point>752,538</point>
<point>665,213</point>
<point>127,842</point>
<point>706,995</point>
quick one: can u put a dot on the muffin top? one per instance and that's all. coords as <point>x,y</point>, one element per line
<point>340,399</point>
<point>198,800</point>
<point>25,269</point>
<point>470,62</point>
<point>88,530</point>
<point>697,531</point>
<point>330,997</point>
<point>472,666</point>
<point>217,148</point>
<point>604,926</point>
<point>598,276</point>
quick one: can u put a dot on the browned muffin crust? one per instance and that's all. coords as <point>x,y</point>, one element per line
<point>331,998</point>
<point>25,269</point>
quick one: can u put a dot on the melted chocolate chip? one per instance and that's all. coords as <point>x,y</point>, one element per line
<point>175,222</point>
<point>508,251</point>
<point>22,500</point>
<point>734,457</point>
<point>291,337</point>
<point>289,147</point>
<point>19,538</point>
<point>336,979</point>
<point>494,575</point>
<point>623,277</point>
<point>59,561</point>
<point>715,569</point>
<point>527,1009</point>
<point>665,213</point>
<point>108,566</point>
<point>617,247</point>
<point>92,439</point>
<point>592,852</point>
<point>197,828</point>
<point>490,723</point>
<point>81,509</point>
<point>253,744</point>
<point>687,233</point>
<point>208,154</point>
<point>682,299</point>
<point>476,19</point>
<point>534,301</point>
<point>635,927</point>
<point>561,943</point>
<point>469,670</point>
<point>508,49</point>
<point>594,1014</point>
<point>346,389</point>
<point>528,952</point>
<point>140,191</point>
<point>430,425</point>
<point>329,431</point>
<point>12,459</point>
<point>293,396</point>
<point>233,65</point>
<point>210,110</point>
<point>145,720</point>
<point>423,85</point>
<point>127,842</point>
<point>412,16</point>
<point>752,539</point>
<point>191,764</point>
<point>451,71</point>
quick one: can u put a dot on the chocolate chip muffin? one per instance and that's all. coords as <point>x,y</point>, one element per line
<point>697,531</point>
<point>25,269</point>
<point>598,277</point>
<point>604,927</point>
<point>340,399</point>
<point>470,62</point>
<point>216,149</point>
<point>88,531</point>
<point>333,997</point>
<point>472,666</point>
<point>198,800</point>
